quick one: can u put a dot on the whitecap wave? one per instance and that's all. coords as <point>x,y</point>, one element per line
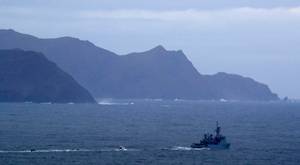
<point>67,150</point>
<point>46,103</point>
<point>114,103</point>
<point>46,150</point>
<point>175,148</point>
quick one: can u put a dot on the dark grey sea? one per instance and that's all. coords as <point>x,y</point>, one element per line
<point>153,131</point>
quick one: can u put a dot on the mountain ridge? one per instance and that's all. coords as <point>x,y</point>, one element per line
<point>28,76</point>
<point>155,73</point>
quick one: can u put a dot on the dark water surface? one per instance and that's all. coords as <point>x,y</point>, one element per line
<point>154,132</point>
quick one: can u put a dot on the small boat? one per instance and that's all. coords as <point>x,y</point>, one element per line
<point>213,142</point>
<point>122,148</point>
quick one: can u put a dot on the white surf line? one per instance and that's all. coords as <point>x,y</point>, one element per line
<point>65,150</point>
<point>49,150</point>
<point>175,148</point>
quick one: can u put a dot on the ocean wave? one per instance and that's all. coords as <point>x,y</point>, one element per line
<point>46,103</point>
<point>114,103</point>
<point>46,150</point>
<point>67,150</point>
<point>175,148</point>
<point>109,101</point>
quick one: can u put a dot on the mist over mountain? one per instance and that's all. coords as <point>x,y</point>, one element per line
<point>27,76</point>
<point>156,73</point>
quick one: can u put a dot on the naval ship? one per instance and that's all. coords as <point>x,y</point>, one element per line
<point>213,142</point>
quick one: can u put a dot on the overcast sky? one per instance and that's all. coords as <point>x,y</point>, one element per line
<point>254,38</point>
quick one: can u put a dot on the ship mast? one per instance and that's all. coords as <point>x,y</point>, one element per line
<point>218,129</point>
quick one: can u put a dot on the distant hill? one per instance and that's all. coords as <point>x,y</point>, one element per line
<point>27,76</point>
<point>159,73</point>
<point>156,73</point>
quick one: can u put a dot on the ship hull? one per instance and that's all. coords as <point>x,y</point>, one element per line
<point>211,146</point>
